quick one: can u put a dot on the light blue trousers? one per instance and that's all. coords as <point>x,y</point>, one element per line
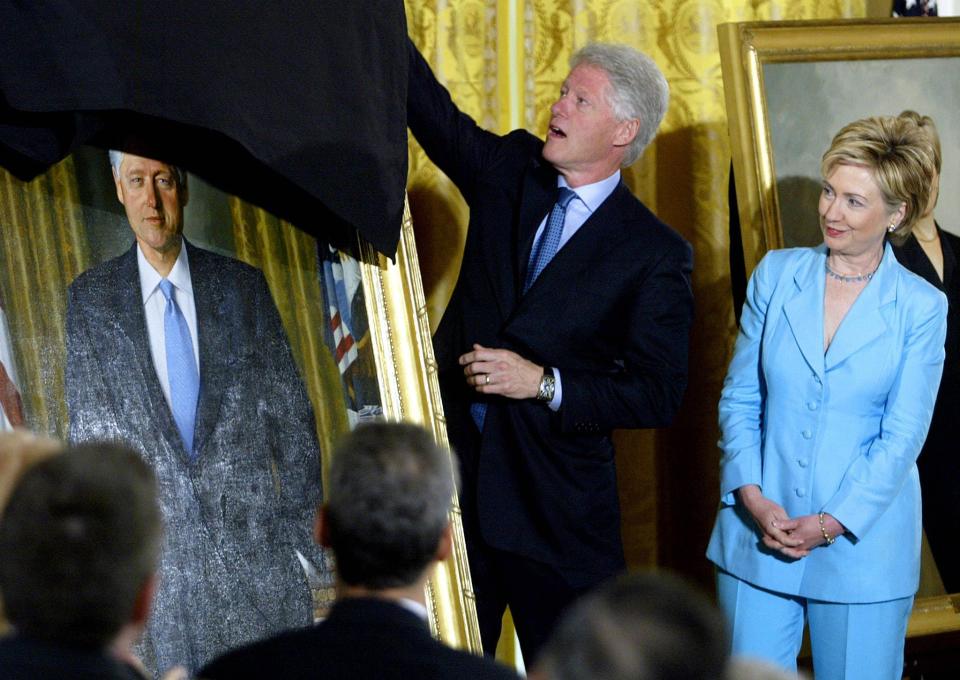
<point>848,641</point>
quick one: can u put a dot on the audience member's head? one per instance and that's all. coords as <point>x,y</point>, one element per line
<point>80,539</point>
<point>19,450</point>
<point>638,627</point>
<point>390,490</point>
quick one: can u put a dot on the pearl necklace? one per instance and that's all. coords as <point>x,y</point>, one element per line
<point>850,279</point>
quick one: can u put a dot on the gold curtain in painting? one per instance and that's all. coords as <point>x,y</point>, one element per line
<point>503,61</point>
<point>42,249</point>
<point>288,259</point>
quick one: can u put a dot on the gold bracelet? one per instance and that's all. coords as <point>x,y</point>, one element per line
<point>827,537</point>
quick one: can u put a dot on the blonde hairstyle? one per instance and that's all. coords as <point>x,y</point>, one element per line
<point>20,450</point>
<point>898,154</point>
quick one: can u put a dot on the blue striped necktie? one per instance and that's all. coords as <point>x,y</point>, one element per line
<point>540,256</point>
<point>544,249</point>
<point>181,368</point>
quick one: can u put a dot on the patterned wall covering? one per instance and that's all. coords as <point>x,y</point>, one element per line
<point>503,61</point>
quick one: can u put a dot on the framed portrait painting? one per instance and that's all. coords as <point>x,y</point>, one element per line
<point>351,323</point>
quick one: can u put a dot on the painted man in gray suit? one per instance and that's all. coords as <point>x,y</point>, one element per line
<point>181,354</point>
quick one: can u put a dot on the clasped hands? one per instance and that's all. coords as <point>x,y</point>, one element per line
<point>500,371</point>
<point>793,537</point>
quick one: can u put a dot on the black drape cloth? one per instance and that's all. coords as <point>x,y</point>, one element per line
<point>297,107</point>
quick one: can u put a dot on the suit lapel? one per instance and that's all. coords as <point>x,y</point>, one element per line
<point>127,309</point>
<point>602,232</point>
<point>804,311</point>
<point>866,319</point>
<point>539,195</point>
<point>208,299</point>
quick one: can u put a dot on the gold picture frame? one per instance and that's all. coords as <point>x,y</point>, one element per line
<point>68,220</point>
<point>778,73</point>
<point>396,307</point>
<point>751,51</point>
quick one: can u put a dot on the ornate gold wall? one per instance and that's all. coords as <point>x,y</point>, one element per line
<point>503,61</point>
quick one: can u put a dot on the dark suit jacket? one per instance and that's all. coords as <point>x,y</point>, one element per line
<point>362,638</point>
<point>25,659</point>
<point>229,573</point>
<point>611,311</point>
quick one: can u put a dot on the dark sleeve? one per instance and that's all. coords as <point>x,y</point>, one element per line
<point>291,428</point>
<point>89,408</point>
<point>648,390</point>
<point>450,138</point>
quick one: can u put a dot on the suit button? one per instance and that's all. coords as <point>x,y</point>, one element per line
<point>807,434</point>
<point>800,493</point>
<point>802,462</point>
<point>812,405</point>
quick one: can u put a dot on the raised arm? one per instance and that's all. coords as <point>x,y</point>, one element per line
<point>450,138</point>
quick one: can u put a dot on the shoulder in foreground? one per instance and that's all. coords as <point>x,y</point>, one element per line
<point>788,259</point>
<point>262,656</point>
<point>638,216</point>
<point>920,293</point>
<point>785,256</point>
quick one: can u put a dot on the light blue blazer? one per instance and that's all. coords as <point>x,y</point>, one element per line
<point>837,432</point>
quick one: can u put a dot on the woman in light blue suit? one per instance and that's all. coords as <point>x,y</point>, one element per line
<point>824,410</point>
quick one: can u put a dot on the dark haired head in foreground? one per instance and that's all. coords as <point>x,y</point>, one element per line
<point>638,627</point>
<point>80,539</point>
<point>386,520</point>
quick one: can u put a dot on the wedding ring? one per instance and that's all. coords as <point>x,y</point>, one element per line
<point>486,379</point>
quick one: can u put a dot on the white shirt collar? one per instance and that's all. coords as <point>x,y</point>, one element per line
<point>179,276</point>
<point>413,606</point>
<point>594,194</point>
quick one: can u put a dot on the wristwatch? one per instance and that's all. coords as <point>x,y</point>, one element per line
<point>548,386</point>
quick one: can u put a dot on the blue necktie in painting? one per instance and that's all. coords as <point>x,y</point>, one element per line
<point>181,368</point>
<point>543,251</point>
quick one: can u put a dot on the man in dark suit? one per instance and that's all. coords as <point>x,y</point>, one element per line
<point>542,356</point>
<point>386,520</point>
<point>80,540</point>
<point>181,353</point>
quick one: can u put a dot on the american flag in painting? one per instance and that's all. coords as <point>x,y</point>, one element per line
<point>341,278</point>
<point>11,406</point>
